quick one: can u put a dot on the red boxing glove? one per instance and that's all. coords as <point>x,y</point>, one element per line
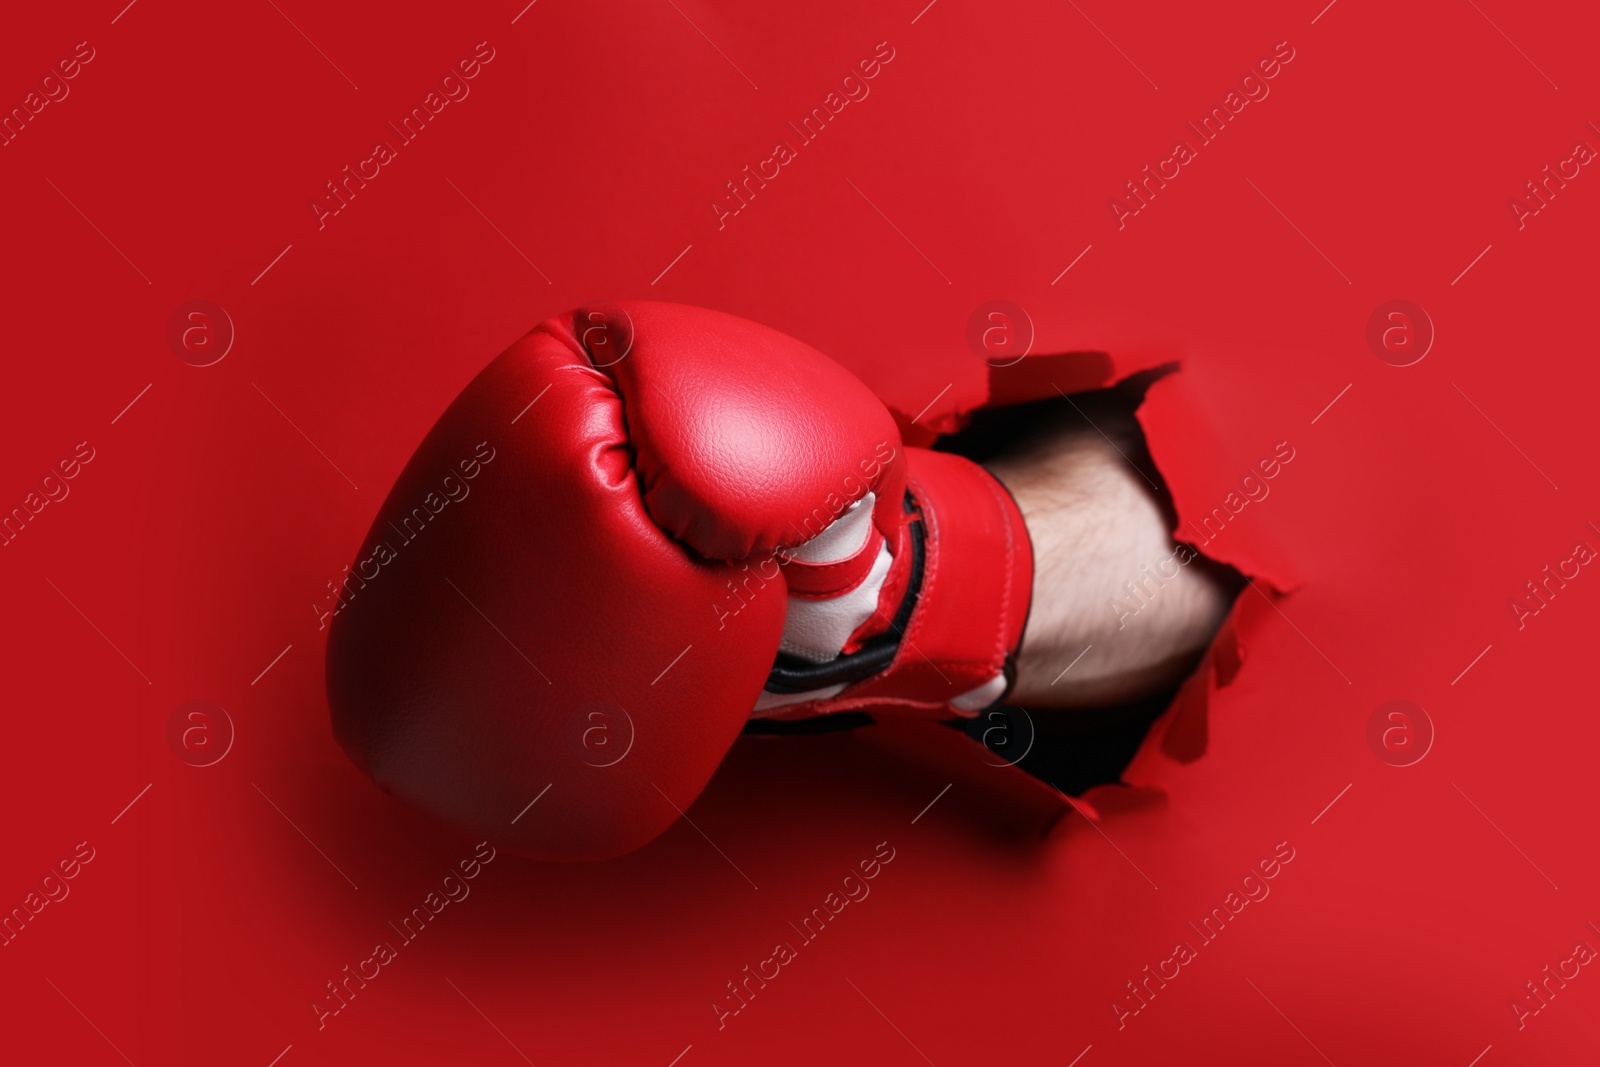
<point>636,528</point>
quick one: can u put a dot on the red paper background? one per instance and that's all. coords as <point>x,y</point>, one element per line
<point>190,550</point>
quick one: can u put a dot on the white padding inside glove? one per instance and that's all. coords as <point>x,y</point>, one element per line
<point>816,630</point>
<point>843,537</point>
<point>975,700</point>
<point>770,702</point>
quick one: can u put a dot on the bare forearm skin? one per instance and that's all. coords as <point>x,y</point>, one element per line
<point>1120,611</point>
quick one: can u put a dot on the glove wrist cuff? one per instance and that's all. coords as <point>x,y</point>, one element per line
<point>951,645</point>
